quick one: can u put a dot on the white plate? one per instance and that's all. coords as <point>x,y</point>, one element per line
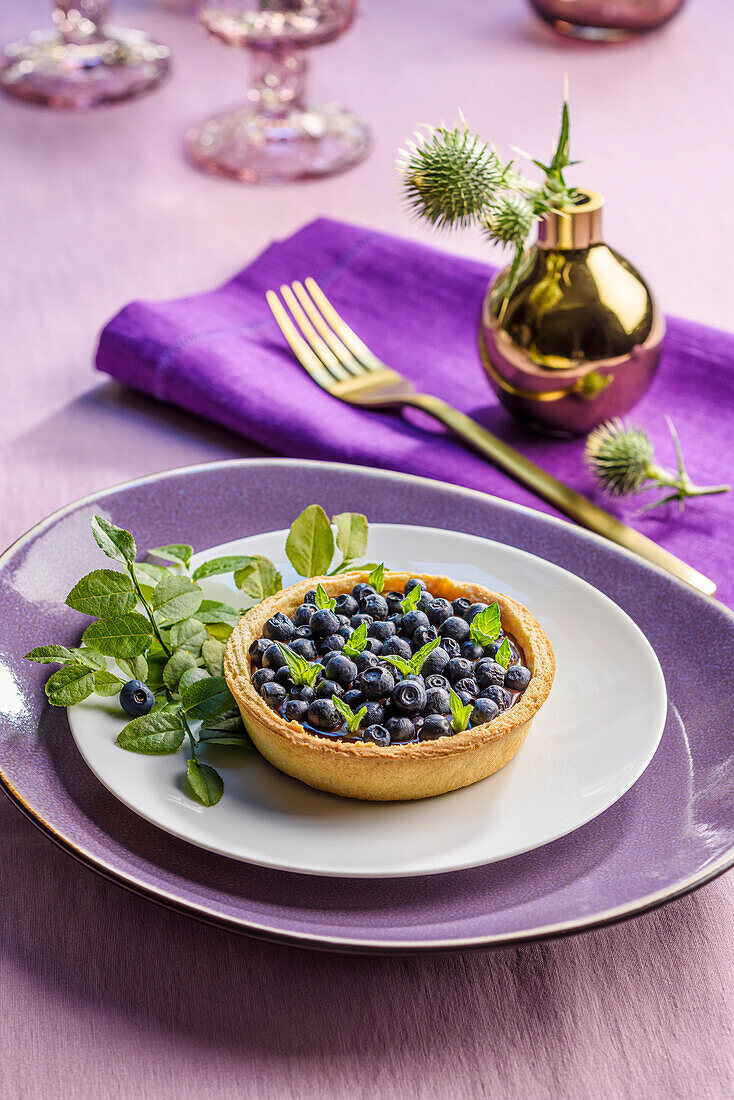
<point>591,741</point>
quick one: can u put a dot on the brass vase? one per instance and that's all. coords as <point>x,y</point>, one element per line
<point>578,339</point>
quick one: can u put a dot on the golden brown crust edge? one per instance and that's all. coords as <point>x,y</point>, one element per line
<point>416,770</point>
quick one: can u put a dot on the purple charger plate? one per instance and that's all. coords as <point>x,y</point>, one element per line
<point>673,831</point>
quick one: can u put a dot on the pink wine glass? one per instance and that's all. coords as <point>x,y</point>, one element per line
<point>83,62</point>
<point>606,20</point>
<point>277,136</point>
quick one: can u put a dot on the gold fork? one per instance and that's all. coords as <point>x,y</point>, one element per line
<point>344,366</point>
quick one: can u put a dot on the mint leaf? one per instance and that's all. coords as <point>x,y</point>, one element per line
<point>411,601</point>
<point>351,534</point>
<point>259,579</point>
<point>310,542</point>
<point>173,670</point>
<point>485,627</point>
<point>177,552</point>
<point>346,711</point>
<point>50,655</point>
<point>175,598</point>
<point>154,734</point>
<point>114,541</point>
<point>188,634</point>
<point>460,712</point>
<point>217,566</point>
<point>105,683</point>
<point>356,641</point>
<point>205,782</point>
<point>103,592</point>
<point>212,611</point>
<point>323,601</point>
<point>503,656</point>
<point>302,672</point>
<point>377,577</point>
<point>419,659</point>
<point>70,685</point>
<point>207,698</point>
<point>120,635</point>
<point>405,666</point>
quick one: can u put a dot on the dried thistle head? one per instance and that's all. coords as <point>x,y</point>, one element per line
<point>449,175</point>
<point>620,457</point>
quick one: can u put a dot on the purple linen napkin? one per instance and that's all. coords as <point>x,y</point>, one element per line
<point>221,356</point>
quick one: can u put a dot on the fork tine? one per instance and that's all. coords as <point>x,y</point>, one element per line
<point>340,350</point>
<point>358,349</point>
<point>324,352</point>
<point>303,353</point>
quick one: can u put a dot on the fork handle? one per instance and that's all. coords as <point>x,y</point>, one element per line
<point>573,504</point>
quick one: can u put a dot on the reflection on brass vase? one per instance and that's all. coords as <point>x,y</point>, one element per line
<point>578,339</point>
<point>606,20</point>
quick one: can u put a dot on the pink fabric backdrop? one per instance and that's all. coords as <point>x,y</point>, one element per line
<point>105,995</point>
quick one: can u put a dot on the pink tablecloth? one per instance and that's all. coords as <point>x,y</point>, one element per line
<point>105,995</point>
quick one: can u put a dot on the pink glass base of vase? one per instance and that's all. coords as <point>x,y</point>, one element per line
<point>605,20</point>
<point>297,144</point>
<point>45,69</point>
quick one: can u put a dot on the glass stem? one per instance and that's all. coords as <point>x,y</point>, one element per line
<point>278,82</point>
<point>80,21</point>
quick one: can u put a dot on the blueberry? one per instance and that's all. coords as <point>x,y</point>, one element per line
<point>342,670</point>
<point>382,630</point>
<point>354,698</point>
<point>397,647</point>
<point>410,585</point>
<point>365,660</point>
<point>357,620</point>
<point>423,636</point>
<point>466,697</point>
<point>424,602</point>
<point>279,628</point>
<point>256,650</point>
<point>435,725</point>
<point>326,657</point>
<point>493,648</point>
<point>295,710</point>
<point>400,729</point>
<point>497,695</point>
<point>436,662</point>
<point>467,684</point>
<point>376,683</point>
<point>457,669</point>
<point>324,622</point>
<point>461,606</point>
<point>375,713</point>
<point>323,715</point>
<point>438,611</point>
<point>415,620</point>
<point>346,605</point>
<point>517,678</point>
<point>454,628</point>
<point>451,646</point>
<point>304,632</point>
<point>302,614</point>
<point>488,672</point>
<point>484,711</point>
<point>375,606</point>
<point>332,642</point>
<point>305,648</point>
<point>273,658</point>
<point>373,645</point>
<point>263,676</point>
<point>327,689</point>
<point>378,735</point>
<point>361,590</point>
<point>437,701</point>
<point>302,692</point>
<point>310,596</point>
<point>136,698</point>
<point>283,676</point>
<point>273,694</point>
<point>435,680</point>
<point>472,651</point>
<point>472,612</point>
<point>394,602</point>
<point>416,676</point>
<point>396,620</point>
<point>409,697</point>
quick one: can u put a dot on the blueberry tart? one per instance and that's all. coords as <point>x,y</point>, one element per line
<point>424,687</point>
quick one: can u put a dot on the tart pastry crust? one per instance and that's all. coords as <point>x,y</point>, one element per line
<point>398,772</point>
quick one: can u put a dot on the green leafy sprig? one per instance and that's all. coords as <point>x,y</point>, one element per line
<point>460,712</point>
<point>353,718</point>
<point>486,626</point>
<point>414,664</point>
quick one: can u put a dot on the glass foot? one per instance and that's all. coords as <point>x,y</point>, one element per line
<point>43,68</point>
<point>300,144</point>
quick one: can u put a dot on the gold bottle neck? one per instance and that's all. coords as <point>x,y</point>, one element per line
<point>572,227</point>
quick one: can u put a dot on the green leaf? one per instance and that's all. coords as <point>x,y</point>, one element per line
<point>177,552</point>
<point>503,656</point>
<point>136,667</point>
<point>230,722</point>
<point>310,542</point>
<point>50,655</point>
<point>190,676</point>
<point>485,627</point>
<point>207,698</point>
<point>205,782</point>
<point>302,672</point>
<point>89,657</point>
<point>356,641</point>
<point>180,661</point>
<point>154,734</point>
<point>119,636</point>
<point>188,634</point>
<point>213,653</point>
<point>115,542</point>
<point>405,667</point>
<point>217,566</point>
<point>156,664</point>
<point>460,712</point>
<point>153,572</point>
<point>324,602</point>
<point>351,534</point>
<point>259,579</point>
<point>213,738</point>
<point>377,577</point>
<point>70,685</point>
<point>220,631</point>
<point>411,601</point>
<point>213,611</point>
<point>352,719</point>
<point>103,592</point>
<point>419,659</point>
<point>106,683</point>
<point>175,598</point>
